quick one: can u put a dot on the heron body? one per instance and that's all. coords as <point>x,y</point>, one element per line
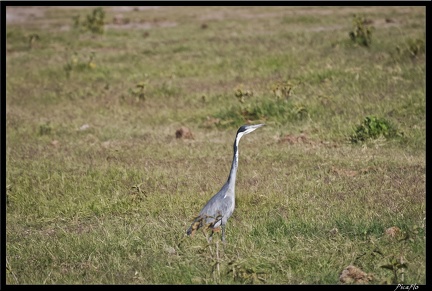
<point>220,207</point>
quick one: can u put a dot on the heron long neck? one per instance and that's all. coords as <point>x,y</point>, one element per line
<point>232,176</point>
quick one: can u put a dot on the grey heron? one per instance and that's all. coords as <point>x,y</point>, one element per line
<point>214,215</point>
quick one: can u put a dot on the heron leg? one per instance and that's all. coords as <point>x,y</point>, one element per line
<point>209,236</point>
<point>223,232</point>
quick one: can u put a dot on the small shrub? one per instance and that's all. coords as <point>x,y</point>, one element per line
<point>245,274</point>
<point>283,90</point>
<point>94,22</point>
<point>241,93</point>
<point>413,48</point>
<point>362,32</point>
<point>76,63</point>
<point>397,266</point>
<point>33,39</point>
<point>45,129</point>
<point>416,47</point>
<point>138,91</point>
<point>373,127</point>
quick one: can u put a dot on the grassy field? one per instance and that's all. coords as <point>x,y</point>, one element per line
<point>100,190</point>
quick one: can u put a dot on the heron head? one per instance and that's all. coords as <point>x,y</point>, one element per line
<point>245,129</point>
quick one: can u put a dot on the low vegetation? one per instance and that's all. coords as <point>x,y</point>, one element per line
<point>120,123</point>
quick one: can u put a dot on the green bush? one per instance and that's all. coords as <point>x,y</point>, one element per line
<point>362,33</point>
<point>94,22</point>
<point>373,127</point>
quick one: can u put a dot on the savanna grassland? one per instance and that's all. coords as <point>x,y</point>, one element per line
<point>120,123</point>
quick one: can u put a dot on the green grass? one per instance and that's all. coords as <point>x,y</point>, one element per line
<point>110,204</point>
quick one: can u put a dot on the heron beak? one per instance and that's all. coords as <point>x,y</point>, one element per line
<point>251,128</point>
